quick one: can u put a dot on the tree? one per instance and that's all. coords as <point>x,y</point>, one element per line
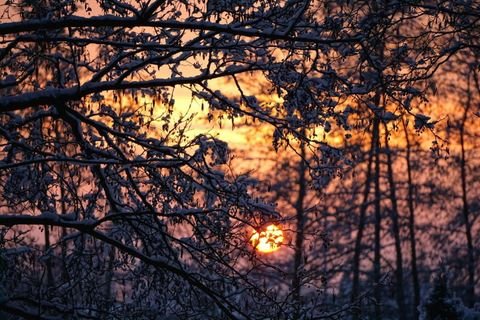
<point>137,216</point>
<point>411,222</point>
<point>459,129</point>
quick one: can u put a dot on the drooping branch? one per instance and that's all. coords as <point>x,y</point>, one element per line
<point>88,227</point>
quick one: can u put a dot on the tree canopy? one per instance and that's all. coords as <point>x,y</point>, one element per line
<point>111,209</point>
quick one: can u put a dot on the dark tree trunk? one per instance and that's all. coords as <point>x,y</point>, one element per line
<point>411,228</point>
<point>378,224</point>
<point>48,261</point>
<point>396,232</point>
<point>300,232</point>
<point>361,227</point>
<point>466,216</point>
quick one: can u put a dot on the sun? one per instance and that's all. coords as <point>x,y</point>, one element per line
<point>267,240</point>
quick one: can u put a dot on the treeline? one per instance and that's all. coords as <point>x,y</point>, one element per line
<point>397,211</point>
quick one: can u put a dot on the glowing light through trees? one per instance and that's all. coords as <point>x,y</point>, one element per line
<point>268,240</point>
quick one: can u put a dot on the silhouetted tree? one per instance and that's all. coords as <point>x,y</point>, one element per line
<point>140,218</point>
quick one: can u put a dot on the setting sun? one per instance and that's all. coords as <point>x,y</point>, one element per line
<point>268,240</point>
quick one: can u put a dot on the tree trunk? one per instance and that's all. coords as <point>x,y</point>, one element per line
<point>470,298</point>
<point>48,260</point>
<point>466,216</point>
<point>300,217</point>
<point>361,227</point>
<point>63,207</point>
<point>396,232</point>
<point>378,223</point>
<point>411,228</point>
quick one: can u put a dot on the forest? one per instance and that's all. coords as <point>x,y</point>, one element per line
<point>240,159</point>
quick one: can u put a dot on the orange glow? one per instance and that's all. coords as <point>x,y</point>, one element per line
<point>268,240</point>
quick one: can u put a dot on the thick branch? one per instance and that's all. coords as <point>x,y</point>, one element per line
<point>59,95</point>
<point>113,21</point>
